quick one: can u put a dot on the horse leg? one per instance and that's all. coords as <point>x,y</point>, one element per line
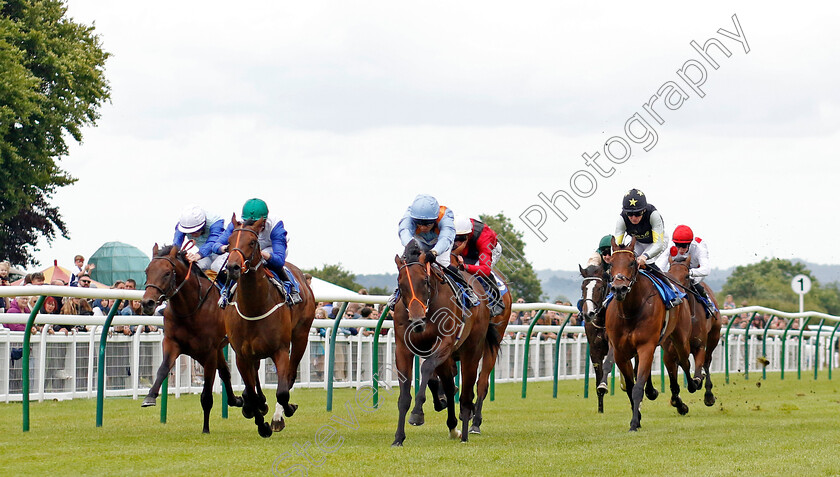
<point>417,417</point>
<point>673,378</point>
<point>488,362</point>
<point>252,399</point>
<point>711,344</point>
<point>627,375</point>
<point>261,400</point>
<point>171,350</point>
<point>207,391</point>
<point>645,360</point>
<point>602,360</point>
<point>438,398</point>
<point>469,374</point>
<point>447,381</point>
<point>224,375</point>
<point>300,339</point>
<point>405,367</point>
<point>281,363</point>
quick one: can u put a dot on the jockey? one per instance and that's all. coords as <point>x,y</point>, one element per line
<point>642,221</point>
<point>685,243</point>
<point>478,247</point>
<point>433,227</point>
<point>272,239</point>
<point>603,253</point>
<point>204,229</point>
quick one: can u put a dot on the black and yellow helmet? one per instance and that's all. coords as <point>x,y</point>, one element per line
<point>634,201</point>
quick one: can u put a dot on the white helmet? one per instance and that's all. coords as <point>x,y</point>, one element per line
<point>192,219</point>
<point>463,225</point>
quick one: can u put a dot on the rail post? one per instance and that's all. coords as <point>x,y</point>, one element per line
<point>726,346</point>
<point>333,336</point>
<point>747,347</point>
<point>831,350</point>
<point>799,351</point>
<point>224,391</point>
<point>817,350</point>
<point>27,338</point>
<point>784,345</point>
<point>586,376</point>
<point>527,343</point>
<point>100,371</point>
<point>556,353</point>
<point>764,345</point>
<point>375,359</point>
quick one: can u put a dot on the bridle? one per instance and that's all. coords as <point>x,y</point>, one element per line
<point>164,296</point>
<point>426,281</point>
<point>597,305</point>
<point>621,276</point>
<point>247,264</point>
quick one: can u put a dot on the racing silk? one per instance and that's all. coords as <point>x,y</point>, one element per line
<point>440,238</point>
<point>700,266</point>
<point>478,252</point>
<point>649,233</point>
<point>272,238</point>
<point>214,226</point>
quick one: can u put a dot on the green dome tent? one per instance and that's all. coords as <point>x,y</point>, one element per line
<point>119,261</point>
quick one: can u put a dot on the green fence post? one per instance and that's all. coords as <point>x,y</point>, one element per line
<point>457,376</point>
<point>747,346</point>
<point>831,350</point>
<point>726,346</point>
<point>764,345</point>
<point>784,345</point>
<point>100,371</point>
<point>799,351</point>
<point>224,391</point>
<point>527,343</point>
<point>586,376</point>
<point>164,399</point>
<point>817,350</point>
<point>612,380</point>
<point>557,352</point>
<point>27,338</point>
<point>417,374</point>
<point>662,371</point>
<point>333,336</point>
<point>493,384</point>
<point>375,359</point>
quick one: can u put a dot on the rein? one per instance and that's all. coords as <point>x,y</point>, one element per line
<point>598,306</point>
<point>247,263</point>
<point>411,286</point>
<point>165,297</point>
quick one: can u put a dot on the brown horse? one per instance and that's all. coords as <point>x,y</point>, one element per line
<point>261,325</point>
<point>192,323</point>
<point>429,322</point>
<point>705,331</point>
<point>637,321</point>
<point>593,292</point>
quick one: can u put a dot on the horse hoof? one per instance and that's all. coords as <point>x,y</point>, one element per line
<point>237,402</point>
<point>440,406</point>
<point>416,419</point>
<point>709,400</point>
<point>247,412</point>
<point>264,429</point>
<point>291,411</point>
<point>652,394</point>
<point>264,409</point>
<point>683,409</point>
<point>454,434</point>
<point>396,444</point>
<point>475,430</point>
<point>149,401</point>
<point>278,426</point>
<point>602,387</point>
<point>205,431</point>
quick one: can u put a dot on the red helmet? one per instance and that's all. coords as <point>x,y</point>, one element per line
<point>683,234</point>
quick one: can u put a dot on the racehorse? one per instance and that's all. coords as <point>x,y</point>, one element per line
<point>192,323</point>
<point>260,325</point>
<point>637,321</point>
<point>593,292</point>
<point>429,322</point>
<point>705,332</point>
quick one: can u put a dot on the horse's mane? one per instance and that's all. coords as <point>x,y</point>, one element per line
<point>166,250</point>
<point>412,252</point>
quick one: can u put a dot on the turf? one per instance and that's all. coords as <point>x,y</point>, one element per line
<point>778,428</point>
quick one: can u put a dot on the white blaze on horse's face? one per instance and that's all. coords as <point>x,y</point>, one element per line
<point>589,298</point>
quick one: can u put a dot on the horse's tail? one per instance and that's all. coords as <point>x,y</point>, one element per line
<point>493,340</point>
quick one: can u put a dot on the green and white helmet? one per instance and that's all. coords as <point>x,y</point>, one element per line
<point>254,209</point>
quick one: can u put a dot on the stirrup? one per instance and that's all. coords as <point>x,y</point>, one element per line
<point>294,298</point>
<point>496,309</point>
<point>472,298</point>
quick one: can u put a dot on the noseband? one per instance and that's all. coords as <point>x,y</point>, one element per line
<point>411,285</point>
<point>247,264</point>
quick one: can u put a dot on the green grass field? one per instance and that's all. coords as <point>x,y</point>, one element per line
<point>780,428</point>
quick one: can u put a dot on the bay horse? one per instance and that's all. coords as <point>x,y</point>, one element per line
<point>430,322</point>
<point>593,292</point>
<point>637,321</point>
<point>192,323</point>
<point>261,325</point>
<point>705,331</point>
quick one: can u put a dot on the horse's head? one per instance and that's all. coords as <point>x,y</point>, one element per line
<point>679,268</point>
<point>414,283</point>
<point>162,276</point>
<point>593,290</point>
<point>623,268</point>
<point>244,247</point>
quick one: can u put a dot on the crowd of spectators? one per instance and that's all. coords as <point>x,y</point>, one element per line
<point>57,305</point>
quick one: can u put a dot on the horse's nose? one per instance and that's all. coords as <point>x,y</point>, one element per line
<point>148,306</point>
<point>419,326</point>
<point>233,270</point>
<point>590,315</point>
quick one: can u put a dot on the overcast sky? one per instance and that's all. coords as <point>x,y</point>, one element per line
<point>338,114</point>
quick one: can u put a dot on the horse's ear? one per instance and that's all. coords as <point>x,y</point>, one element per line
<point>155,250</point>
<point>613,244</point>
<point>632,245</point>
<point>398,260</point>
<point>581,270</point>
<point>233,220</point>
<point>259,224</point>
<point>174,252</point>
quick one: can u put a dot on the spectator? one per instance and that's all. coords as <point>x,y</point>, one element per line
<point>365,314</point>
<point>79,269</point>
<point>308,278</point>
<point>132,309</point>
<point>729,303</point>
<point>514,319</point>
<point>5,267</point>
<point>318,346</point>
<point>130,284</point>
<point>19,305</point>
<point>38,278</point>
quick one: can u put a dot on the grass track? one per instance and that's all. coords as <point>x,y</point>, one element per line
<point>780,428</point>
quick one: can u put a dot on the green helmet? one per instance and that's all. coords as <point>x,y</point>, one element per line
<point>605,243</point>
<point>254,209</point>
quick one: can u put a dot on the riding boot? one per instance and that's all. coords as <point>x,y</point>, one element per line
<point>494,297</point>
<point>222,282</point>
<point>707,303</point>
<point>471,296</point>
<point>392,300</point>
<point>293,297</point>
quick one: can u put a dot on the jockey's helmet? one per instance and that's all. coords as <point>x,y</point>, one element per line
<point>425,208</point>
<point>605,245</point>
<point>634,201</point>
<point>463,225</point>
<point>683,235</point>
<point>192,219</point>
<point>254,209</point>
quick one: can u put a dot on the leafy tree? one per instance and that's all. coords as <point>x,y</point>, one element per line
<point>53,84</point>
<point>336,274</point>
<point>767,283</point>
<point>519,272</point>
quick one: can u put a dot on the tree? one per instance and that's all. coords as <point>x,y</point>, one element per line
<point>767,283</point>
<point>53,83</point>
<point>522,280</point>
<point>336,274</point>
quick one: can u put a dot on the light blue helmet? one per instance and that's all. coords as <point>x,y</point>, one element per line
<point>424,207</point>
